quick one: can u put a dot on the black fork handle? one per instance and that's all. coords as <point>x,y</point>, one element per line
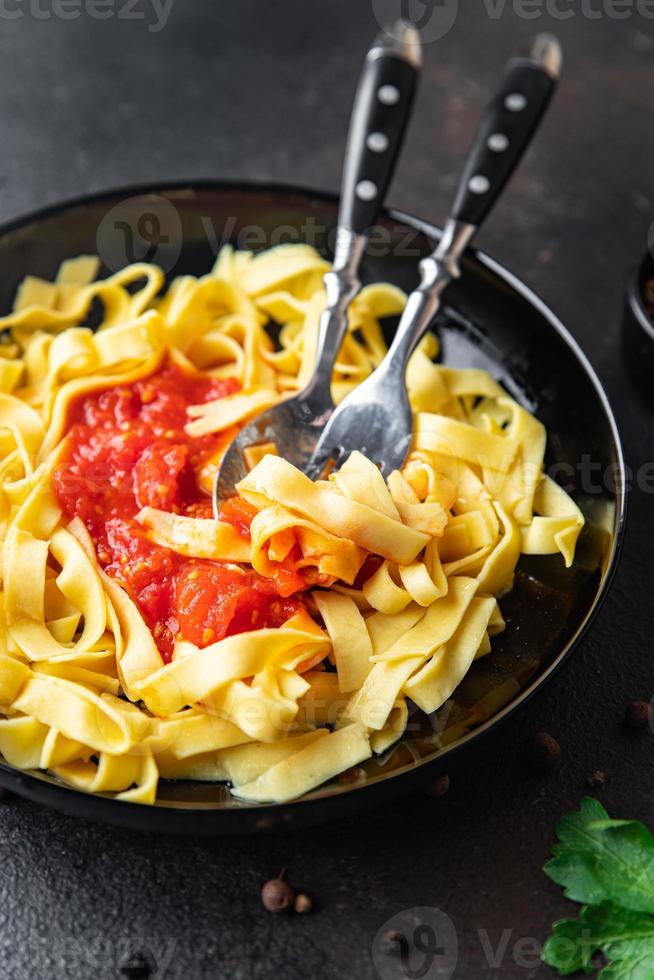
<point>506,129</point>
<point>381,111</point>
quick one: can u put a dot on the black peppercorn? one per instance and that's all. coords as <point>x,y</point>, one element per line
<point>277,895</point>
<point>136,967</point>
<point>638,715</point>
<point>439,788</point>
<point>543,751</point>
<point>596,778</point>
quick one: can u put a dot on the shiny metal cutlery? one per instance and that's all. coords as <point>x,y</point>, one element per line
<point>376,417</point>
<point>381,111</point>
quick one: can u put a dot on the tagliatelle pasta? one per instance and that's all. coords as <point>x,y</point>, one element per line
<point>289,640</point>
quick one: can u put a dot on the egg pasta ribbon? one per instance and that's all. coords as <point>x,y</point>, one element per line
<point>375,597</point>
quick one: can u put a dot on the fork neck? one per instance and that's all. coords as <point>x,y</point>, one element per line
<point>341,284</point>
<point>437,271</point>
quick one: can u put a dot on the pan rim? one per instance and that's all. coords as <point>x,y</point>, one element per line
<point>42,788</point>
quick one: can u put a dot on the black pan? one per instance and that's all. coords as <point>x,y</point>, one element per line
<point>490,320</point>
<point>638,328</point>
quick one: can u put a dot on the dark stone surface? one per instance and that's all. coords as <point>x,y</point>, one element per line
<point>263,90</point>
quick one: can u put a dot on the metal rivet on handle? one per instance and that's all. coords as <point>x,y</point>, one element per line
<point>497,142</point>
<point>377,142</point>
<point>515,102</point>
<point>388,95</point>
<point>478,184</point>
<point>366,190</point>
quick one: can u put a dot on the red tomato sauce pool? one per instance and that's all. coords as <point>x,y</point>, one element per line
<point>128,450</point>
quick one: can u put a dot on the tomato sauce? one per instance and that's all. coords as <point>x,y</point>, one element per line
<point>128,450</point>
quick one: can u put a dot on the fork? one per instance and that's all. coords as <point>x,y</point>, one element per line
<point>376,418</point>
<point>381,111</point>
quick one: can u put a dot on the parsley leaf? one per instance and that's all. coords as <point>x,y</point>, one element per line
<point>599,859</point>
<point>609,866</point>
<point>625,938</point>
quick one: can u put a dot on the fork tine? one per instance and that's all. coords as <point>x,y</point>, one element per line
<point>320,461</point>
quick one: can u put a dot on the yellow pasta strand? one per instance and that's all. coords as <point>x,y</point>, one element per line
<point>404,573</point>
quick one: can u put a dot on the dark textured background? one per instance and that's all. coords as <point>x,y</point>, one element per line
<point>263,90</point>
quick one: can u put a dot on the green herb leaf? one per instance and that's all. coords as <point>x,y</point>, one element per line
<point>602,860</point>
<point>625,938</point>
